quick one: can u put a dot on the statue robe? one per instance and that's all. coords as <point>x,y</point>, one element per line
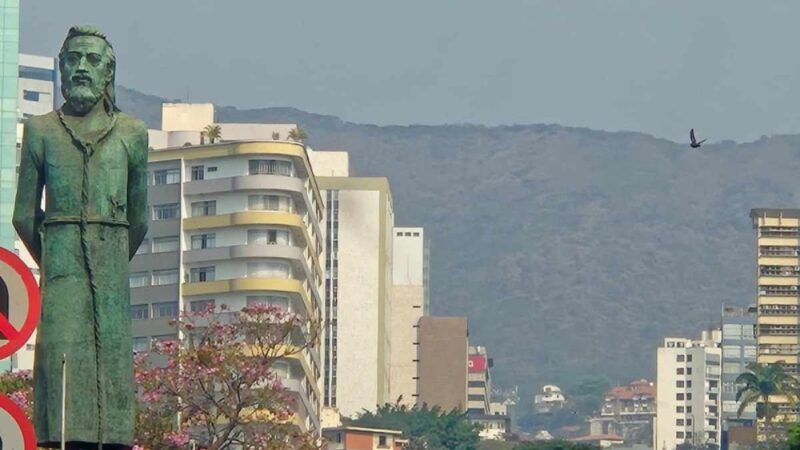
<point>94,220</point>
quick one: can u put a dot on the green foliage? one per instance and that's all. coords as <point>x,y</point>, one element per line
<point>793,440</point>
<point>426,428</point>
<point>555,445</point>
<point>761,381</point>
<point>564,241</point>
<point>495,445</point>
<point>213,132</point>
<point>587,397</point>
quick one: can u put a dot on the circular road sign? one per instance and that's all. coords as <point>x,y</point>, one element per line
<point>20,303</point>
<point>16,431</point>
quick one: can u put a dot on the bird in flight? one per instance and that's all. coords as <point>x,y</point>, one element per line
<point>695,143</point>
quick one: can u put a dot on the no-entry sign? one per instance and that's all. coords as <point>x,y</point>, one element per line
<point>20,303</point>
<point>16,431</point>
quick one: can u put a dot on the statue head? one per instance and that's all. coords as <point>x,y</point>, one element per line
<point>88,66</point>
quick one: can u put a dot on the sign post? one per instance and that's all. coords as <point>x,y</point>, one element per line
<point>16,431</point>
<point>20,303</point>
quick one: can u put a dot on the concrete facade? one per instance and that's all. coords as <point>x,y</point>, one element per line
<point>443,356</point>
<point>358,285</point>
<point>738,350</point>
<point>479,383</point>
<point>410,286</point>
<point>234,223</point>
<point>778,295</point>
<point>688,392</point>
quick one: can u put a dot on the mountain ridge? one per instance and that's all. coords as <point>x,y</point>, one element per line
<point>573,251</point>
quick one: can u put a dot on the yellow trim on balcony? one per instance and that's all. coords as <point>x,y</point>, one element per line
<point>779,241</point>
<point>293,221</point>
<point>769,359</point>
<point>250,284</point>
<point>296,353</point>
<point>786,300</point>
<point>281,148</point>
<point>779,261</point>
<point>778,320</point>
<point>778,281</point>
<point>778,340</point>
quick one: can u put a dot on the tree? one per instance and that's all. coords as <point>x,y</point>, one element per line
<point>297,134</point>
<point>426,428</point>
<point>212,132</point>
<point>759,383</point>
<point>18,386</point>
<point>222,382</point>
<point>276,136</point>
<point>555,445</point>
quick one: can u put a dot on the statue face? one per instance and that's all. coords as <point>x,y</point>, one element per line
<point>85,72</point>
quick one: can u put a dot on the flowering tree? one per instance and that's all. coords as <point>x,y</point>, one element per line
<point>218,387</point>
<point>18,386</point>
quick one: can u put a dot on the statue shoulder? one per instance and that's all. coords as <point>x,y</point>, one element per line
<point>41,124</point>
<point>131,125</point>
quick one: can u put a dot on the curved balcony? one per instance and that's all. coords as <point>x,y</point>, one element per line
<point>293,186</point>
<point>298,388</point>
<point>254,251</point>
<point>291,150</point>
<point>292,221</point>
<point>287,286</point>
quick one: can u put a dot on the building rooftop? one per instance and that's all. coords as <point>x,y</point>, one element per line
<point>775,212</point>
<point>635,389</point>
<point>364,430</point>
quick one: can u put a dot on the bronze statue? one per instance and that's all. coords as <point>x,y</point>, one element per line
<point>91,160</point>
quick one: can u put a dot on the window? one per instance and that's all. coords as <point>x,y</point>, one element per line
<point>138,279</point>
<point>37,73</point>
<point>680,383</point>
<point>688,358</point>
<point>733,368</point>
<point>689,396</point>
<point>732,331</point>
<point>680,371</point>
<point>212,169</point>
<point>204,241</point>
<point>749,352</point>
<point>270,167</point>
<point>748,331</point>
<point>731,352</point>
<point>382,441</point>
<point>201,305</point>
<point>688,410</point>
<point>205,208</point>
<point>165,310</point>
<point>140,344</point>
<point>271,300</point>
<point>144,248</point>
<point>689,383</point>
<point>269,202</point>
<point>164,338</point>
<point>688,371</point>
<point>281,368</point>
<point>268,269</point>
<point>32,96</point>
<point>166,244</point>
<point>679,422</point>
<point>679,435</point>
<point>679,396</point>
<point>679,409</point>
<point>162,277</point>
<point>202,274</point>
<point>166,212</point>
<point>269,237</point>
<point>681,358</point>
<point>198,173</point>
<point>166,176</point>
<point>140,312</point>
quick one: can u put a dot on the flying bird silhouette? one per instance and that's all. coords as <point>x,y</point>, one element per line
<point>695,143</point>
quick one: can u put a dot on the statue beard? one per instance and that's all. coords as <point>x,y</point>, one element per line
<point>82,98</point>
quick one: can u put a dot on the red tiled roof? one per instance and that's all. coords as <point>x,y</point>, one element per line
<point>640,388</point>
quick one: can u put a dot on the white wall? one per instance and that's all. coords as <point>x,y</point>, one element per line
<point>329,163</point>
<point>186,116</point>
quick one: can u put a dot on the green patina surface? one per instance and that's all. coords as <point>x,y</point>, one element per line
<point>91,161</point>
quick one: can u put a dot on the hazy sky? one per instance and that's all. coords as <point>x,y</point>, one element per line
<point>730,68</point>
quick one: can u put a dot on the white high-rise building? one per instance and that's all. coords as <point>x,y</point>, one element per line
<point>409,303</point>
<point>358,285</point>
<point>688,392</point>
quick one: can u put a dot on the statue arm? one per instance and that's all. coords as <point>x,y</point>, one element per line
<point>28,214</point>
<point>137,191</point>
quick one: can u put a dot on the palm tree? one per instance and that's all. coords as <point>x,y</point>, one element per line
<point>759,383</point>
<point>213,132</point>
<point>297,134</point>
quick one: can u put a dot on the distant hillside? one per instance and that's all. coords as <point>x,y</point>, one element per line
<point>573,252</point>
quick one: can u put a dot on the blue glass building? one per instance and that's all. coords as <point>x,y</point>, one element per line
<point>9,60</point>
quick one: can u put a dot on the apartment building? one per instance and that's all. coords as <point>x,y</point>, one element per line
<point>359,226</point>
<point>777,278</point>
<point>9,72</point>
<point>479,383</point>
<point>362,438</point>
<point>738,350</point>
<point>628,411</point>
<point>235,223</point>
<point>688,387</point>
<point>409,303</point>
<point>443,355</point>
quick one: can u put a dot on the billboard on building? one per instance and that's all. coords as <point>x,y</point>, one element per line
<point>477,363</point>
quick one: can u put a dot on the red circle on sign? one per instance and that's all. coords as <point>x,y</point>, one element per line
<point>25,426</point>
<point>22,335</point>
